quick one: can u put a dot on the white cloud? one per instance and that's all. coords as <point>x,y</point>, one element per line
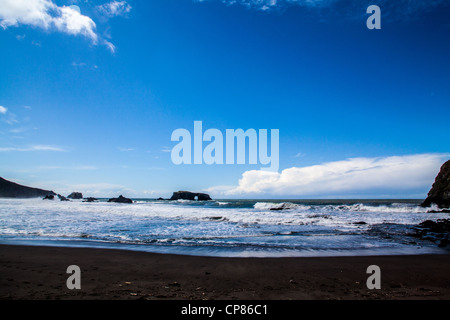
<point>340,178</point>
<point>46,15</point>
<point>47,148</point>
<point>110,46</point>
<point>72,22</point>
<point>3,110</point>
<point>33,148</point>
<point>34,12</point>
<point>114,8</point>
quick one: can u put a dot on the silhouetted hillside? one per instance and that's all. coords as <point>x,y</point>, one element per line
<point>10,189</point>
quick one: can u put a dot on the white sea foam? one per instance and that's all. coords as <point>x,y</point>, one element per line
<point>279,206</point>
<point>222,225</point>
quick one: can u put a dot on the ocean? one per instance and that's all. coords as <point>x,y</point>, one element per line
<point>223,228</point>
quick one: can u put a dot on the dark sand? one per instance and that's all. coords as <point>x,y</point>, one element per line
<point>29,272</point>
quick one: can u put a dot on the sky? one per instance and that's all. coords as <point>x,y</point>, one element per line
<point>91,91</point>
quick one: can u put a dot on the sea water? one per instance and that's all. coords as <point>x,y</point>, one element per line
<point>228,228</point>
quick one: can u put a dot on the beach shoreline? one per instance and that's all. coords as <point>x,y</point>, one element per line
<point>39,273</point>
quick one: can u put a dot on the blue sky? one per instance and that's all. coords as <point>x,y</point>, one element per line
<point>89,99</point>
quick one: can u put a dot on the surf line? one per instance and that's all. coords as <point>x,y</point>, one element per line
<point>235,147</point>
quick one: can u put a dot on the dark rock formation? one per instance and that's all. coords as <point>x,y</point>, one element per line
<point>10,189</point>
<point>90,199</point>
<point>49,197</point>
<point>62,198</point>
<point>120,199</point>
<point>187,195</point>
<point>160,198</point>
<point>439,211</point>
<point>436,231</point>
<point>440,191</point>
<point>438,226</point>
<point>277,209</point>
<point>282,206</point>
<point>75,195</point>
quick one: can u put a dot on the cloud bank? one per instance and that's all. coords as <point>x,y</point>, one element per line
<point>46,15</point>
<point>356,176</point>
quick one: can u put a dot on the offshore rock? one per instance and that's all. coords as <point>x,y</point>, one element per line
<point>187,195</point>
<point>75,195</point>
<point>62,198</point>
<point>120,199</point>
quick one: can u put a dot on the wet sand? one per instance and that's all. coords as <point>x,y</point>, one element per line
<point>37,273</point>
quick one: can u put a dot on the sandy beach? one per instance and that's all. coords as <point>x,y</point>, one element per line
<point>36,273</point>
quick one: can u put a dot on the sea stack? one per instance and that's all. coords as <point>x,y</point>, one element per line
<point>75,195</point>
<point>120,199</point>
<point>440,191</point>
<point>62,198</point>
<point>187,195</point>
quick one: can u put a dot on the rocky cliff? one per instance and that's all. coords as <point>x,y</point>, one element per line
<point>440,191</point>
